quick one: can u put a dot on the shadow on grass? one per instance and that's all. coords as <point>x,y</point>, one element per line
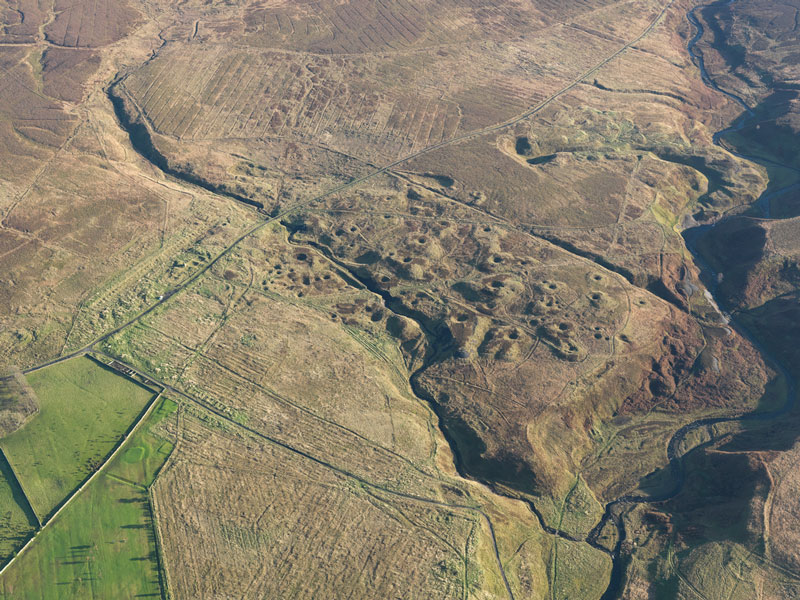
<point>16,491</point>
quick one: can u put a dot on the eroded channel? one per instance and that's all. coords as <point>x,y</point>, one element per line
<point>709,278</point>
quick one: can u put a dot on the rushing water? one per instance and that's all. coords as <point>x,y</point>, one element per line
<point>709,277</point>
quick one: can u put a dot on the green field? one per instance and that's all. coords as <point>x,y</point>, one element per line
<point>144,454</point>
<point>17,521</point>
<point>102,544</point>
<point>85,408</point>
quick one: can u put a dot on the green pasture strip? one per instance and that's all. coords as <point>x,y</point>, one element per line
<point>85,408</point>
<point>17,519</point>
<point>145,453</point>
<point>103,544</point>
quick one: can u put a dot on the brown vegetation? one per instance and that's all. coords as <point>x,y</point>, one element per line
<point>32,125</point>
<point>65,71</point>
<point>20,20</point>
<point>292,516</point>
<point>90,23</point>
<point>380,249</point>
<point>18,401</point>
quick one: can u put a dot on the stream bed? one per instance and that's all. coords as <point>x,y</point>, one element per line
<point>709,277</point>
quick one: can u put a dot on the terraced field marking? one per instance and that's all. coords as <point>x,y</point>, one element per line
<point>476,508</point>
<point>338,189</point>
<point>351,184</point>
<point>505,124</point>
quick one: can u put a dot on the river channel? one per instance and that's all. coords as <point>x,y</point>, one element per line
<point>709,277</point>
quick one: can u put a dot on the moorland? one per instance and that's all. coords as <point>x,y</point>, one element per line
<point>399,299</point>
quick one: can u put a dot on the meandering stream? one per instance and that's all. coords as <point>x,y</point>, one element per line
<point>709,278</point>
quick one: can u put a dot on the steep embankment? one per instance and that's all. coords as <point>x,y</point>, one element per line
<point>143,140</point>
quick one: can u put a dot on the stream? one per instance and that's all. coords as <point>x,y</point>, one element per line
<point>710,279</point>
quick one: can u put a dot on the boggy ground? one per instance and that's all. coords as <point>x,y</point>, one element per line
<point>414,272</point>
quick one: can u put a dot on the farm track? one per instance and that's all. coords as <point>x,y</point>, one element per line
<point>675,463</point>
<point>337,190</point>
<point>439,341</point>
<point>194,277</point>
<point>328,422</point>
<point>431,148</point>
